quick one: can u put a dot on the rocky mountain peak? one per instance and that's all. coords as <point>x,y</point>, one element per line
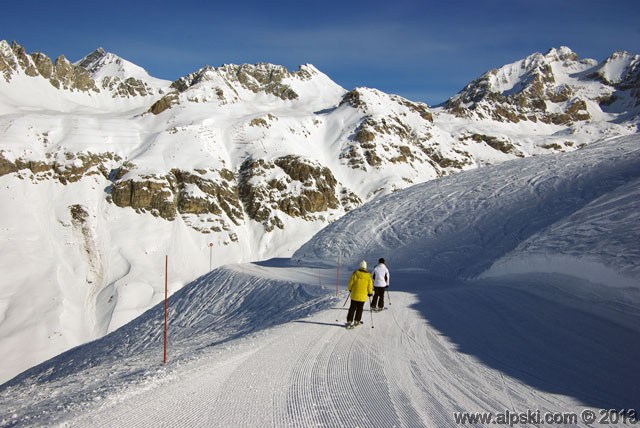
<point>119,77</point>
<point>619,68</point>
<point>14,60</point>
<point>261,77</point>
<point>230,83</point>
<point>374,102</point>
<point>60,73</point>
<point>93,61</point>
<point>561,54</point>
<point>549,88</point>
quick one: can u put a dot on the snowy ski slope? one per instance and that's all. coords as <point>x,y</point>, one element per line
<point>469,327</point>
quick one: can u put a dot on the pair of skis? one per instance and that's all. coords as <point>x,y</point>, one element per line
<point>350,326</point>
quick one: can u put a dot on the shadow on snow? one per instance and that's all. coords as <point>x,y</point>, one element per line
<point>545,344</point>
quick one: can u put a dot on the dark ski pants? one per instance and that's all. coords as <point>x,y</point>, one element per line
<point>378,297</point>
<point>355,309</point>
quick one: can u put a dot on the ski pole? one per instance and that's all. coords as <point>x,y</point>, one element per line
<point>371,311</point>
<point>345,300</point>
<point>388,295</point>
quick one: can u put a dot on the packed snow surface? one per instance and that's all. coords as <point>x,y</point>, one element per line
<point>469,324</point>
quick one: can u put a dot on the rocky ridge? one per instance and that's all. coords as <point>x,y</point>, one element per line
<point>554,88</point>
<point>62,74</point>
<point>226,82</point>
<point>401,134</point>
<point>385,132</point>
<point>620,71</point>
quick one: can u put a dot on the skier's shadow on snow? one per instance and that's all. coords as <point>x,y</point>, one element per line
<point>542,343</point>
<point>331,324</point>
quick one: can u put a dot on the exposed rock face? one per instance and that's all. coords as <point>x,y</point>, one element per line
<point>43,64</point>
<point>152,194</point>
<point>129,87</point>
<point>71,168</point>
<point>180,192</point>
<point>164,103</point>
<point>267,78</point>
<point>290,185</point>
<point>305,189</point>
<point>61,73</point>
<point>264,122</point>
<point>405,136</point>
<point>67,76</point>
<point>360,98</point>
<point>262,78</point>
<point>501,144</point>
<point>227,81</point>
<point>197,195</point>
<point>92,61</point>
<point>14,58</point>
<point>118,86</point>
<point>64,75</point>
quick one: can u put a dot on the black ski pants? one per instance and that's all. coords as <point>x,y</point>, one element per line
<point>378,297</point>
<point>355,310</point>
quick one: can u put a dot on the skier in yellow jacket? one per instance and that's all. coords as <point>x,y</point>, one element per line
<point>360,286</point>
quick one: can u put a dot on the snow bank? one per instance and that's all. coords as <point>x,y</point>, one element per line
<point>234,302</point>
<point>460,226</point>
<point>588,269</point>
<point>598,242</point>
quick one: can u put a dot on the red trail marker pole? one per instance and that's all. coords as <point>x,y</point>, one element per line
<point>166,304</point>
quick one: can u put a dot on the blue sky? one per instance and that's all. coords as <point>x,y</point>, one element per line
<point>422,50</point>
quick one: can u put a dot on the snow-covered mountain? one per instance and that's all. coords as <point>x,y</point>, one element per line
<point>556,87</point>
<point>470,324</point>
<point>104,169</point>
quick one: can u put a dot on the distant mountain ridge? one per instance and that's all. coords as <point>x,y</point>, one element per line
<point>556,88</point>
<point>249,120</point>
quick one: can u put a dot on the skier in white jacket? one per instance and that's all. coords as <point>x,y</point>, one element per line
<point>380,283</point>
